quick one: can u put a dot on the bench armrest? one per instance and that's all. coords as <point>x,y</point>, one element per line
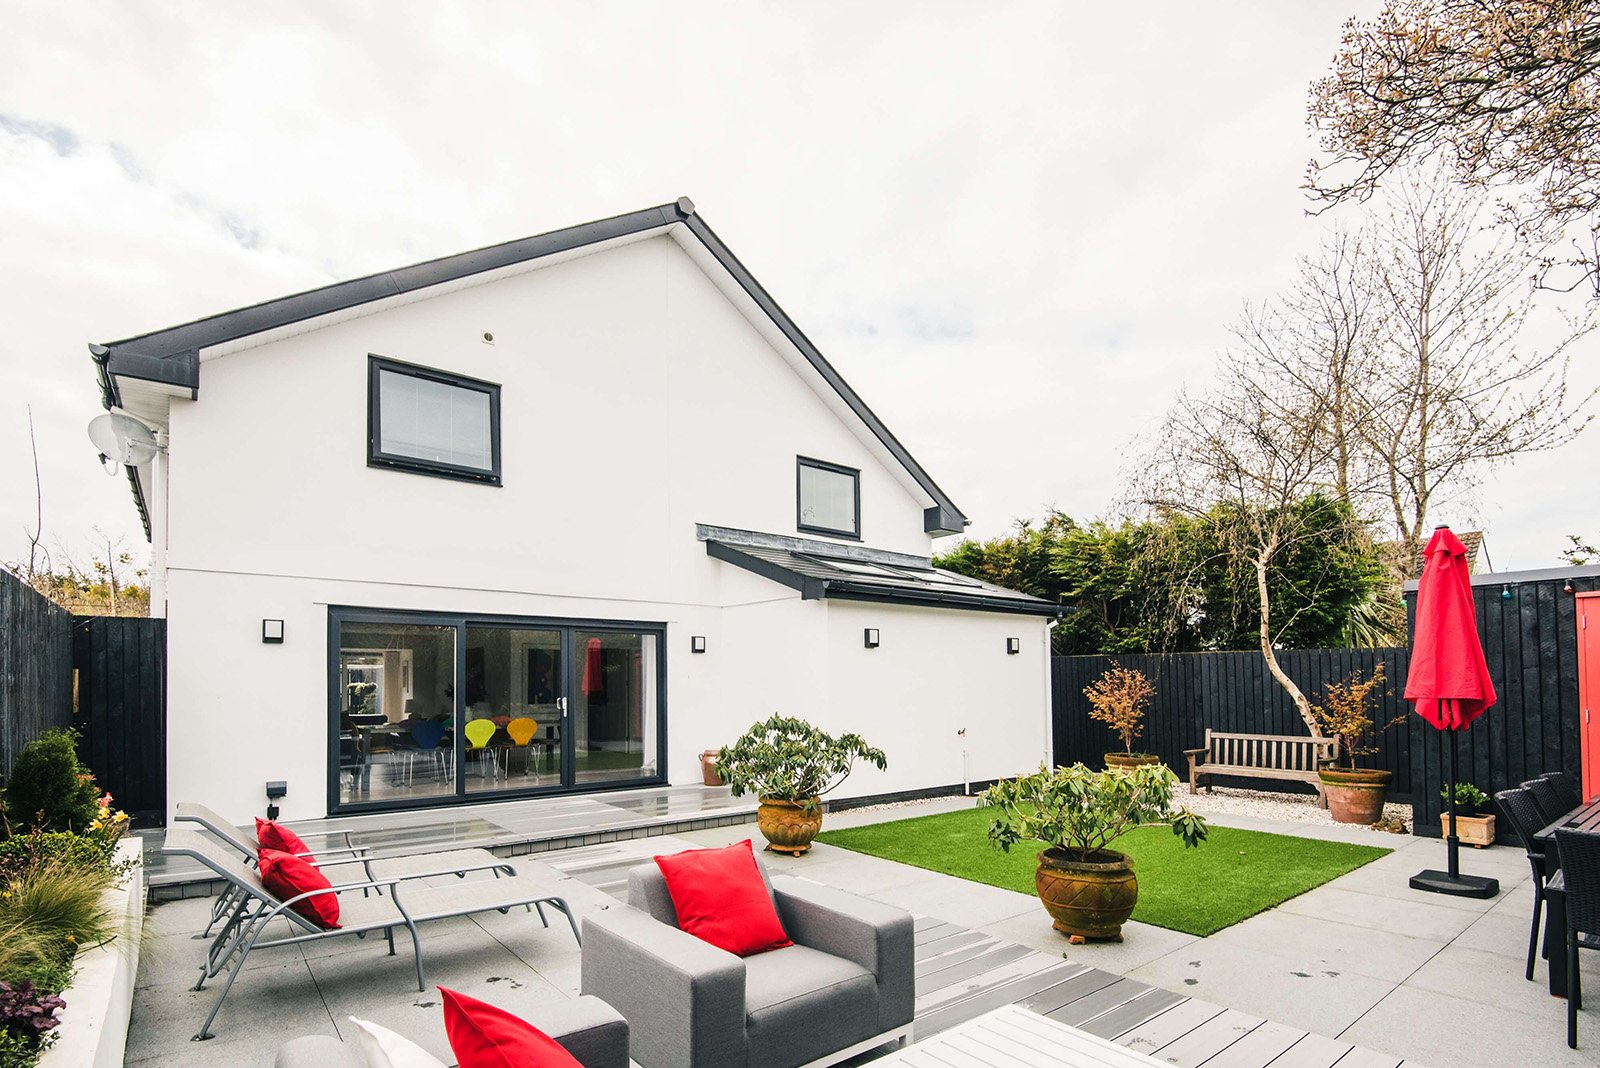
<point>1196,752</point>
<point>684,998</point>
<point>879,937</point>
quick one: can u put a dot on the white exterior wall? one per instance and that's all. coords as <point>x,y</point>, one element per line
<point>636,402</point>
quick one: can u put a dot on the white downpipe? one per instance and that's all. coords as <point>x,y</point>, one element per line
<point>1049,707</point>
<point>966,776</point>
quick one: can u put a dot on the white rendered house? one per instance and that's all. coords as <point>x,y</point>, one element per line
<point>554,515</point>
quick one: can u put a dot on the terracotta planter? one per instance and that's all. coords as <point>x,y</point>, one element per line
<point>1355,796</point>
<point>1474,830</point>
<point>1131,760</point>
<point>708,767</point>
<point>787,826</point>
<point>1087,898</point>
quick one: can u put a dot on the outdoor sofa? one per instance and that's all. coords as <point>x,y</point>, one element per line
<point>587,1028</point>
<point>845,986</point>
<point>384,903</point>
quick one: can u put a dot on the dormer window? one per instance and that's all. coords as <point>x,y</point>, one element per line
<point>829,499</point>
<point>432,422</point>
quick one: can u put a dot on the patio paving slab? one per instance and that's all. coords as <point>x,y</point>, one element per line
<point>1463,1032</point>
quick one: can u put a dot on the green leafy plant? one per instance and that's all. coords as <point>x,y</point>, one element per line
<point>1470,801</point>
<point>49,788</point>
<point>1082,813</point>
<point>27,1016</point>
<point>1118,699</point>
<point>788,759</point>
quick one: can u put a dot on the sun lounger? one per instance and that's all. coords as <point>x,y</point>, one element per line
<point>401,901</point>
<point>446,862</point>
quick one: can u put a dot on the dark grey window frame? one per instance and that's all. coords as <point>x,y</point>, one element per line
<point>376,457</point>
<point>803,462</point>
<point>341,614</point>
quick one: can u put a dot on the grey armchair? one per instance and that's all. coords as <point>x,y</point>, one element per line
<point>845,986</point>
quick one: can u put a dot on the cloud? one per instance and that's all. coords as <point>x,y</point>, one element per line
<point>1015,228</point>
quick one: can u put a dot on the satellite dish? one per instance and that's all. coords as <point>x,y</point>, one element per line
<point>123,439</point>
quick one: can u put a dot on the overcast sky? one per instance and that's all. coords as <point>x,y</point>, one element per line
<point>1015,228</point>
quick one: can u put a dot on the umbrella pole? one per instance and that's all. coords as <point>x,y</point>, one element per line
<point>1452,843</point>
<point>1451,881</point>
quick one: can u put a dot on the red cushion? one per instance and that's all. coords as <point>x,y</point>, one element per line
<point>482,1036</point>
<point>721,898</point>
<point>288,876</point>
<point>271,835</point>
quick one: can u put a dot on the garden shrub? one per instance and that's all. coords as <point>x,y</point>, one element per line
<point>56,899</point>
<point>24,852</point>
<point>27,1016</point>
<point>49,788</point>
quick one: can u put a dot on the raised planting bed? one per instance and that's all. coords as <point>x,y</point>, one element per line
<point>94,1023</point>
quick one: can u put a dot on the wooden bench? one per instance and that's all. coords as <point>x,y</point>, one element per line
<point>1260,756</point>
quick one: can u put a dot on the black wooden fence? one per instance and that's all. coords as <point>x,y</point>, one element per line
<point>1527,622</point>
<point>122,701</point>
<point>1229,691</point>
<point>35,667</point>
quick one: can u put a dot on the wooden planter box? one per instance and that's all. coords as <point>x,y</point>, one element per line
<point>1474,830</point>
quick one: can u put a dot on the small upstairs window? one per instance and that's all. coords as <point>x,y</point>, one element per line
<point>829,499</point>
<point>432,422</point>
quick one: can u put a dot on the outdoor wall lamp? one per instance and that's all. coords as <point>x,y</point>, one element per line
<point>697,644</point>
<point>276,788</point>
<point>1013,646</point>
<point>272,631</point>
<point>871,637</point>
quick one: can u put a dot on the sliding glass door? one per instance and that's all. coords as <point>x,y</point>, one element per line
<point>431,709</point>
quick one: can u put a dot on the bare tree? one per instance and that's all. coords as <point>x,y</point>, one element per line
<point>1509,92</point>
<point>1455,387</point>
<point>1250,459</point>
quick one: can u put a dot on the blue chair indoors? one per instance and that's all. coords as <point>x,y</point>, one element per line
<point>425,738</point>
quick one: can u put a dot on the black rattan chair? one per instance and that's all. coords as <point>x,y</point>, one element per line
<point>1547,796</point>
<point>1526,821</point>
<point>1566,789</point>
<point>1580,875</point>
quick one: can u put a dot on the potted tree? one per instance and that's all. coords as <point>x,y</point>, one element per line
<point>789,764</point>
<point>1088,888</point>
<point>1355,795</point>
<point>1118,699</point>
<point>1474,817</point>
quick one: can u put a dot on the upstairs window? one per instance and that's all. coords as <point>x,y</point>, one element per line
<point>829,499</point>
<point>432,422</point>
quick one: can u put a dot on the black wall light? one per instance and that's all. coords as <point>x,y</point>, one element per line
<point>697,644</point>
<point>1013,646</point>
<point>275,790</point>
<point>272,631</point>
<point>871,637</point>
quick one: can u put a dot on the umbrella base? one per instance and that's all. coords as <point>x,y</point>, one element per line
<point>1439,882</point>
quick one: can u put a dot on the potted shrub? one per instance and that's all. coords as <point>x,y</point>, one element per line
<point>1474,817</point>
<point>1088,888</point>
<point>1117,699</point>
<point>789,765</point>
<point>1355,795</point>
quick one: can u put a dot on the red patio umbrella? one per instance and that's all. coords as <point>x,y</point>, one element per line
<point>1448,683</point>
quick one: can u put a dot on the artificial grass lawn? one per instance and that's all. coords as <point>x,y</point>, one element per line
<point>1231,876</point>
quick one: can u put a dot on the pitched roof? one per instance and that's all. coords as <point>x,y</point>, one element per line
<point>170,358</point>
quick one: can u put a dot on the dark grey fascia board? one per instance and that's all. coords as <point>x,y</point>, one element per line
<point>847,591</point>
<point>109,398</point>
<point>810,589</point>
<point>939,520</point>
<point>282,311</point>
<point>813,355</point>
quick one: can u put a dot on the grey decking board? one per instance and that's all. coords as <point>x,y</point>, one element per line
<point>1078,986</point>
<point>1312,1051</point>
<point>949,943</point>
<point>933,931</point>
<point>1004,953</point>
<point>952,1014</point>
<point>1160,1030</point>
<point>1111,996</point>
<point>1366,1058</point>
<point>1257,1048</point>
<point>1125,1018</point>
<point>1197,1047</point>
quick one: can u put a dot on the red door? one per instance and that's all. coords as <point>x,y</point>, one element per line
<point>1589,690</point>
